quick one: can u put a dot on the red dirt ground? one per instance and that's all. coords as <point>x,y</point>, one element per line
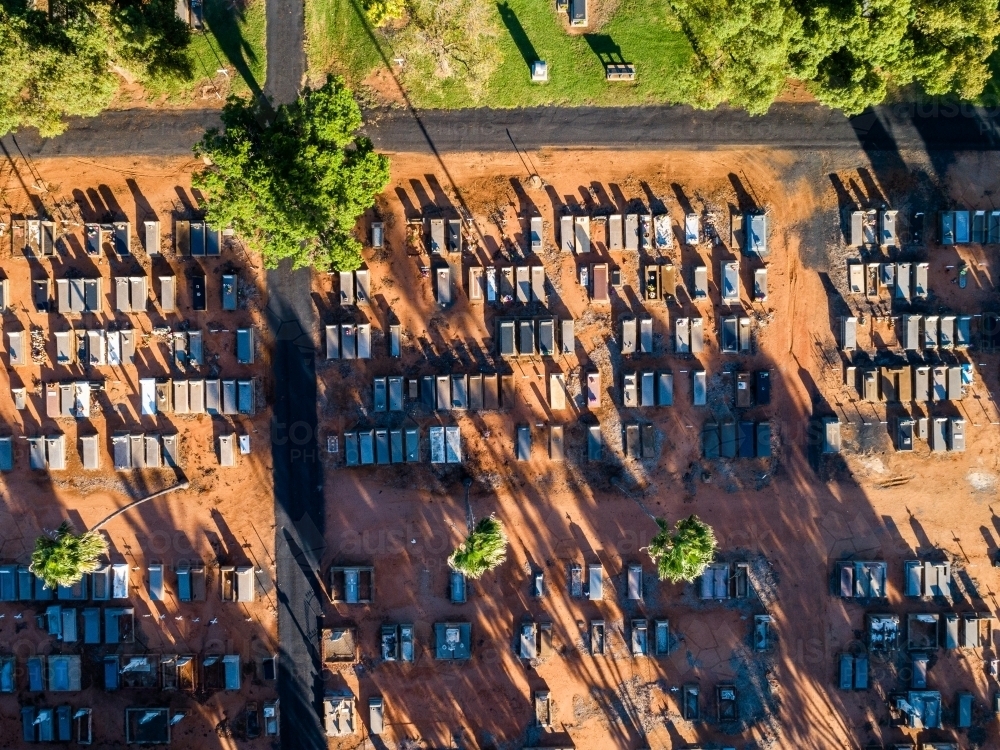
<point>789,518</point>
<point>225,517</point>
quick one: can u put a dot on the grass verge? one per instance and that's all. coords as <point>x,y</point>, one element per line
<point>233,38</point>
<point>643,33</point>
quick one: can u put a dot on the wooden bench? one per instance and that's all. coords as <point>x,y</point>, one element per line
<point>620,72</point>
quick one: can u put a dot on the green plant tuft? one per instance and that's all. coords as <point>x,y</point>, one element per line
<point>381,12</point>
<point>483,550</point>
<point>61,558</point>
<point>684,554</point>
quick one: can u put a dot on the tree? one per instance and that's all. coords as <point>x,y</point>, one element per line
<point>451,40</point>
<point>51,70</point>
<point>484,549</point>
<point>847,52</point>
<point>952,41</point>
<point>293,183</point>
<point>61,558</point>
<point>684,554</point>
<point>59,64</point>
<point>150,39</point>
<point>851,54</point>
<point>741,50</point>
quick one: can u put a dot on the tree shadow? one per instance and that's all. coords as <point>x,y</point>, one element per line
<point>607,51</point>
<point>35,200</point>
<point>143,210</point>
<point>836,304</point>
<point>872,188</point>
<point>682,200</point>
<point>224,22</point>
<point>744,200</point>
<point>517,33</point>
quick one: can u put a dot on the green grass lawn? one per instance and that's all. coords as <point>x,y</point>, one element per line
<point>233,37</point>
<point>338,40</point>
<point>641,32</point>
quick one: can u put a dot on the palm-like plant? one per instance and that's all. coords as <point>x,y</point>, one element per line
<point>684,554</point>
<point>61,558</point>
<point>484,549</point>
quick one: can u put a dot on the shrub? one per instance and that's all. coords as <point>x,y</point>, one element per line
<point>61,558</point>
<point>683,555</point>
<point>483,550</point>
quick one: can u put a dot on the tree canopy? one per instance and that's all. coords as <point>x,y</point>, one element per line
<point>684,554</point>
<point>292,183</point>
<point>51,70</point>
<point>450,41</point>
<point>483,550</point>
<point>847,53</point>
<point>149,38</point>
<point>951,42</point>
<point>382,12</point>
<point>741,48</point>
<point>62,558</point>
<point>61,64</point>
